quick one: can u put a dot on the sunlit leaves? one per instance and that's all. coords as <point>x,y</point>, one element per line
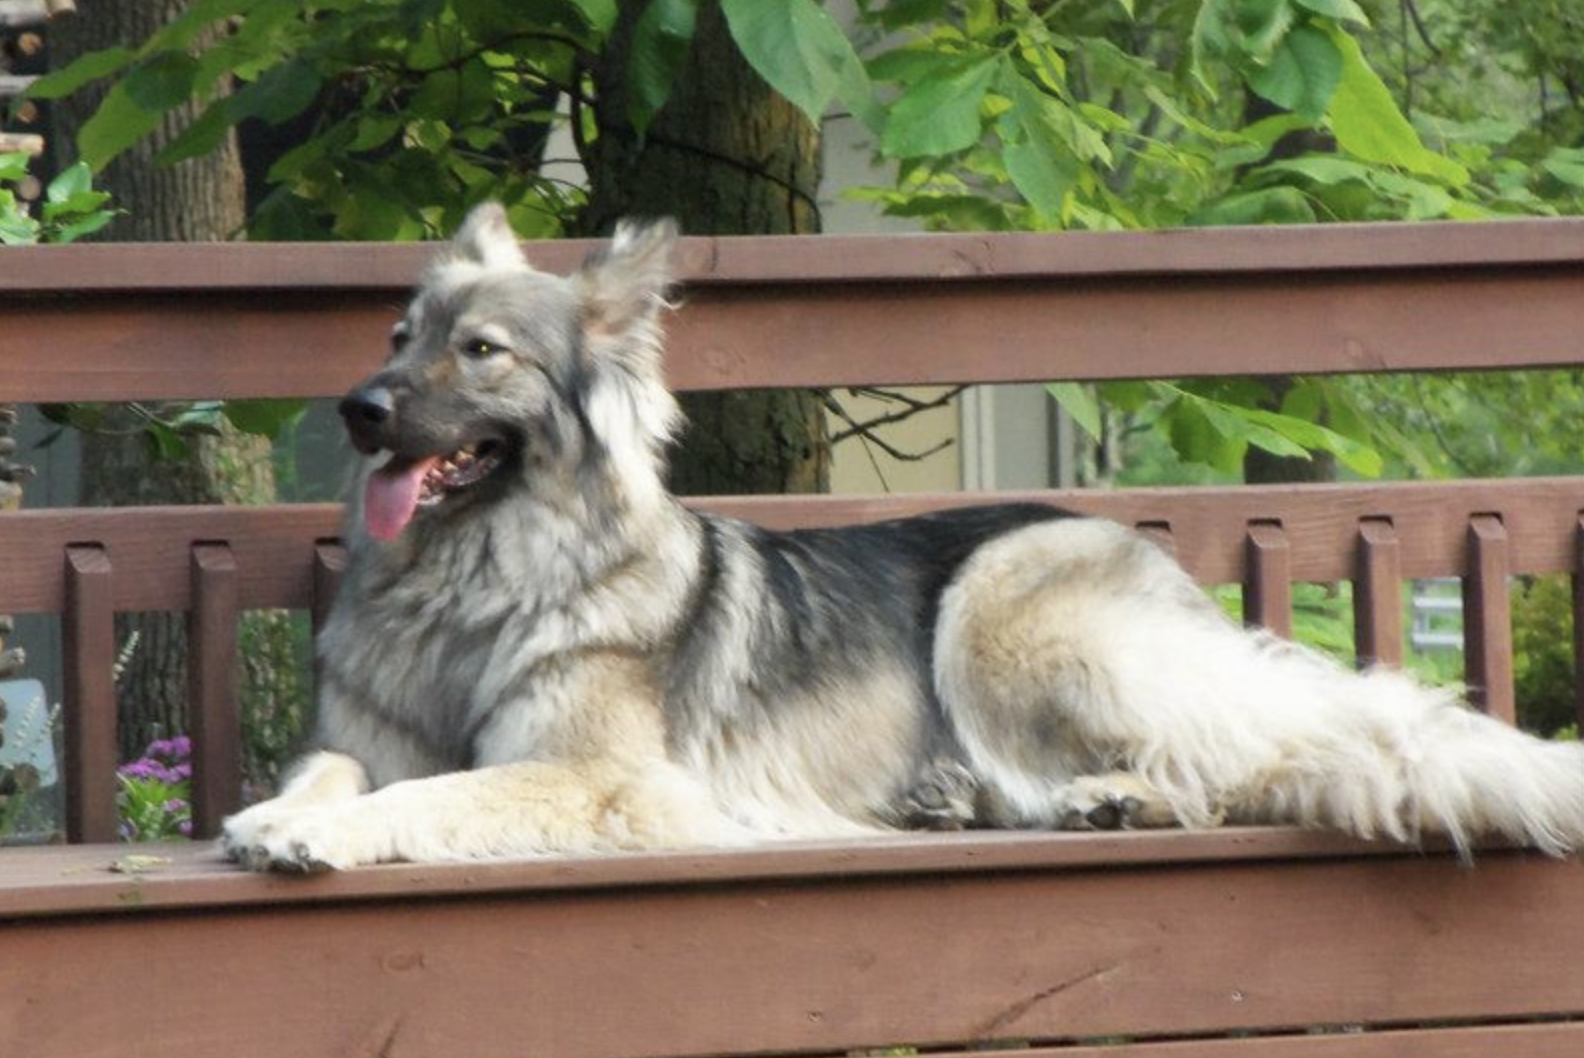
<point>1302,73</point>
<point>1368,124</point>
<point>939,114</point>
<point>795,46</point>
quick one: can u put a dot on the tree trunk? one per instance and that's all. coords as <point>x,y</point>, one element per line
<point>727,155</point>
<point>197,200</point>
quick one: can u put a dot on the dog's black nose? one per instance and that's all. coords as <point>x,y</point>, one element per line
<point>367,410</point>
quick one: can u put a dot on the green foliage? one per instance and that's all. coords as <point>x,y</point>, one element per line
<point>71,207</point>
<point>1543,653</point>
<point>997,116</point>
<point>169,428</point>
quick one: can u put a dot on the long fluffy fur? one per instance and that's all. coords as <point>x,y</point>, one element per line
<point>563,658</point>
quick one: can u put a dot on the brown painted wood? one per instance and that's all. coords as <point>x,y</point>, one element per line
<point>1487,618</point>
<point>943,259</point>
<point>77,879</point>
<point>88,705</point>
<point>1320,521</point>
<point>275,546</point>
<point>1377,595</point>
<point>140,322</point>
<point>330,561</point>
<point>1578,625</point>
<point>1534,1040</point>
<point>151,548</point>
<point>1267,584</point>
<point>825,966</point>
<point>1161,534</point>
<point>213,705</point>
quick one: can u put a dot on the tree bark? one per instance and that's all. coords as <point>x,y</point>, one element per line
<point>196,200</point>
<point>726,155</point>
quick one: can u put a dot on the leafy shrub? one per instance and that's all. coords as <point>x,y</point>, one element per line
<point>155,802</point>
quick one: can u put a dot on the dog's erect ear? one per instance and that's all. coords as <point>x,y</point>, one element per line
<point>486,238</point>
<point>624,284</point>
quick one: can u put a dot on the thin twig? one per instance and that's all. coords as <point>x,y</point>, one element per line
<point>911,407</point>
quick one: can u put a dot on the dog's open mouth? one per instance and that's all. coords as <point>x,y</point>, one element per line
<point>397,489</point>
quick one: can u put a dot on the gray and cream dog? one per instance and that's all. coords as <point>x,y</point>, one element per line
<point>537,649</point>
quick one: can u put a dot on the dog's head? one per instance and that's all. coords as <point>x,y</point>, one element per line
<point>502,376</point>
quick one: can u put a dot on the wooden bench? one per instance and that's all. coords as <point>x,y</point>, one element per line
<point>1241,942</point>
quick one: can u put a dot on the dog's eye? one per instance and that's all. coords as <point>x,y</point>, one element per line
<point>481,347</point>
<point>399,340</point>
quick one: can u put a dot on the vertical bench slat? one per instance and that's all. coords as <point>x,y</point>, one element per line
<point>1487,619</point>
<point>1377,595</point>
<point>329,563</point>
<point>89,706</point>
<point>1161,534</point>
<point>214,709</point>
<point>1267,584</point>
<point>1578,622</point>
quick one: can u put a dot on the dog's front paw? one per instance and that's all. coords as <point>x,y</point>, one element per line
<point>298,841</point>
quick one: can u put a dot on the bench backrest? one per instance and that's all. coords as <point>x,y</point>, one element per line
<point>224,321</point>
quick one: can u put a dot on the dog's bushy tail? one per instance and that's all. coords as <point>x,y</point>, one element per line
<point>1371,753</point>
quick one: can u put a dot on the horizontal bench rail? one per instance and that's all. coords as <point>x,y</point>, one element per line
<point>1207,529</point>
<point>926,942</point>
<point>160,321</point>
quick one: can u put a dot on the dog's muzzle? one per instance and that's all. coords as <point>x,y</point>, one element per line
<point>369,413</point>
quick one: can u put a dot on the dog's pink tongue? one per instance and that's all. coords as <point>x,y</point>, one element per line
<point>391,496</point>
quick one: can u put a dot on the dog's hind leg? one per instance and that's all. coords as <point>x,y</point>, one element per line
<point>1036,650</point>
<point>1118,800</point>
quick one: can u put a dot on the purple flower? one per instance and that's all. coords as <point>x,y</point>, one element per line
<point>173,807</point>
<point>180,773</point>
<point>181,747</point>
<point>185,826</point>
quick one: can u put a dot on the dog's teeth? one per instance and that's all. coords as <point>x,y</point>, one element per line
<point>380,458</point>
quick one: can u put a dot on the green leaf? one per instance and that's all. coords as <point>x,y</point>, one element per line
<point>1566,165</point>
<point>374,130</point>
<point>163,81</point>
<point>266,418</point>
<point>1341,10</point>
<point>86,68</point>
<point>116,125</point>
<point>76,205</point>
<point>1264,24</point>
<point>17,229</point>
<point>71,182</point>
<point>79,228</point>
<point>1208,38</point>
<point>599,14</point>
<point>857,93</point>
<point>940,114</point>
<point>1079,401</point>
<point>1174,110</point>
<point>14,166</point>
<point>660,45</point>
<point>280,94</point>
<point>206,133</point>
<point>1042,146</point>
<point>1272,205</point>
<point>795,46</point>
<point>1367,124</point>
<point>1303,73</point>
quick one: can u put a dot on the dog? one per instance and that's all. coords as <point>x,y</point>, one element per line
<point>536,649</point>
